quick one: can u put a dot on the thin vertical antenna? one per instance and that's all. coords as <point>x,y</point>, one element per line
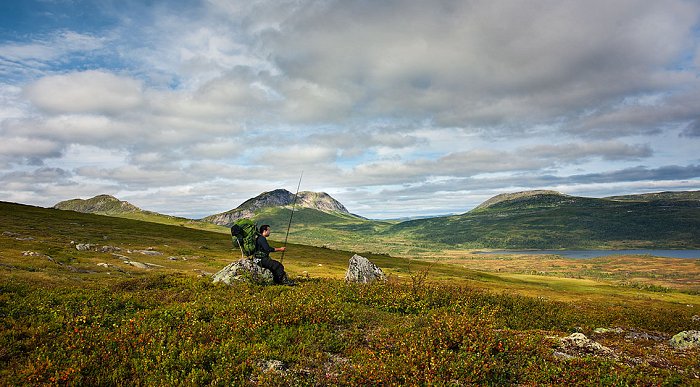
<point>289,226</point>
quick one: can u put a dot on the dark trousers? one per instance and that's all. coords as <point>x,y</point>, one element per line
<point>275,267</point>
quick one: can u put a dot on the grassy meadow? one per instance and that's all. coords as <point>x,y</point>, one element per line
<point>71,317</point>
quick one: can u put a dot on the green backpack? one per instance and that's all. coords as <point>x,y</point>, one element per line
<point>244,234</point>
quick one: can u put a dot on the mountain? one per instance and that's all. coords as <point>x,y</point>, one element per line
<point>100,204</point>
<point>111,206</point>
<point>551,220</point>
<point>525,198</point>
<point>319,201</point>
<point>676,195</point>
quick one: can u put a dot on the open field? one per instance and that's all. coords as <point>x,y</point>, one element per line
<point>446,319</point>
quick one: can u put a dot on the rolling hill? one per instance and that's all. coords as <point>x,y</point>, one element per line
<point>111,206</point>
<point>547,219</point>
<point>522,220</point>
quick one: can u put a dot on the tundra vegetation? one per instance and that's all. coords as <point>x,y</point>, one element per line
<point>75,309</point>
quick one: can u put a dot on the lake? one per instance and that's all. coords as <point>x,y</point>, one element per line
<point>584,254</point>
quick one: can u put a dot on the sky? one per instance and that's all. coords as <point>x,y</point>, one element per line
<point>395,108</point>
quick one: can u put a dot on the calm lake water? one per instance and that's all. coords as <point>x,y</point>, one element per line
<point>584,254</point>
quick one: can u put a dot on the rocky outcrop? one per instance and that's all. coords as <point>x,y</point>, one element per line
<point>578,345</point>
<point>686,340</point>
<point>244,270</point>
<point>361,270</point>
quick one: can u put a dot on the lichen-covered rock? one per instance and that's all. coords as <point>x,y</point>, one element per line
<point>361,270</point>
<point>579,345</point>
<point>686,340</point>
<point>244,270</point>
<point>85,246</point>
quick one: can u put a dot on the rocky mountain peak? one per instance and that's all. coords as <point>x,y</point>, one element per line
<point>320,201</point>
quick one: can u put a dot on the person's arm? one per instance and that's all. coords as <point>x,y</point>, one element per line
<point>262,241</point>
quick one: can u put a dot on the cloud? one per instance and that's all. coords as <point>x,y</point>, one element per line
<point>692,130</point>
<point>85,92</point>
<point>454,61</point>
<point>228,99</point>
<point>32,149</point>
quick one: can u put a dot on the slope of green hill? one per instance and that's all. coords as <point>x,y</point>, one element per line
<point>111,206</point>
<point>555,221</point>
<point>74,316</point>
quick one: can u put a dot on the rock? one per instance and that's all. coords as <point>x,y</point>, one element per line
<point>104,264</point>
<point>137,264</point>
<point>109,249</point>
<point>579,345</point>
<point>31,254</point>
<point>84,246</point>
<point>148,252</point>
<point>686,340</point>
<point>696,318</point>
<point>244,270</point>
<point>608,330</point>
<point>272,366</point>
<point>361,270</point>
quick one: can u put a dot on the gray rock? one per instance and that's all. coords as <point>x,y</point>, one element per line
<point>361,270</point>
<point>109,249</point>
<point>244,270</point>
<point>137,264</point>
<point>608,330</point>
<point>686,340</point>
<point>148,252</point>
<point>85,246</point>
<point>579,344</point>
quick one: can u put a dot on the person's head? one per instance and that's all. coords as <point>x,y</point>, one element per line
<point>265,230</point>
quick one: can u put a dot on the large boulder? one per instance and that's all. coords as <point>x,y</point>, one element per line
<point>361,270</point>
<point>244,270</point>
<point>686,339</point>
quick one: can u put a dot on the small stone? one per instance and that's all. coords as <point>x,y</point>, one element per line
<point>84,246</point>
<point>137,264</point>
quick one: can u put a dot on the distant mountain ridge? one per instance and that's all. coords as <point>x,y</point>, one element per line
<point>667,195</point>
<point>537,219</point>
<point>541,196</point>
<point>100,204</point>
<point>319,201</point>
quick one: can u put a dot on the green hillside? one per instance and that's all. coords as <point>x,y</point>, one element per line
<point>75,316</point>
<point>553,221</point>
<point>524,220</point>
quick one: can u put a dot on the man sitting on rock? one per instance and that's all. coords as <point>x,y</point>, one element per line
<point>262,255</point>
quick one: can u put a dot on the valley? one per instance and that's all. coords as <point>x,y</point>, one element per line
<point>97,299</point>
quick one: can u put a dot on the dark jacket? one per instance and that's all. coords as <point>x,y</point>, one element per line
<point>262,248</point>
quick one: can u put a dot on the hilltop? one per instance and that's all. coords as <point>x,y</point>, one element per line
<point>100,204</point>
<point>319,201</point>
<point>538,197</point>
<point>110,206</point>
<point>551,220</point>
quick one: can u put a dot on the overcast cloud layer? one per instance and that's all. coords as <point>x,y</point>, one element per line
<point>395,108</point>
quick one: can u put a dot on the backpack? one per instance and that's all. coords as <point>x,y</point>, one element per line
<point>244,234</point>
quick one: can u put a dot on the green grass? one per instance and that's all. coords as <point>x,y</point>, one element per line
<point>178,330</point>
<point>65,320</point>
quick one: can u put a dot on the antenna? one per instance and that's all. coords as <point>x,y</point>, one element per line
<point>289,226</point>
